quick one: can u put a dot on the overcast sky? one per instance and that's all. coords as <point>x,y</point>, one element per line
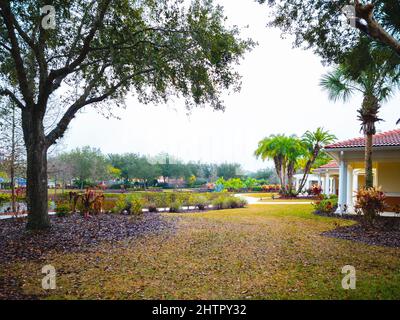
<point>280,94</point>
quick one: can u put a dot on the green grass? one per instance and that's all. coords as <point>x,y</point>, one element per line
<point>261,252</point>
<point>261,195</point>
<point>286,200</point>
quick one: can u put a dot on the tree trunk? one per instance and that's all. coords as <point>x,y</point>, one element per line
<point>12,167</point>
<point>36,173</point>
<point>369,176</point>
<point>307,168</point>
<point>36,193</point>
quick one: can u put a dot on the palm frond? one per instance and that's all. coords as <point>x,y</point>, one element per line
<point>336,86</point>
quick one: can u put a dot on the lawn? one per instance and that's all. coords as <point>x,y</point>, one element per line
<point>261,252</point>
<point>259,195</point>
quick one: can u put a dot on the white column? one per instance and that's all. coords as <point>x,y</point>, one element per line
<point>333,185</point>
<point>326,187</point>
<point>319,180</point>
<point>349,188</point>
<point>355,184</point>
<point>342,186</point>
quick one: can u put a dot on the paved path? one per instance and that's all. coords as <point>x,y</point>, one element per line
<point>252,200</point>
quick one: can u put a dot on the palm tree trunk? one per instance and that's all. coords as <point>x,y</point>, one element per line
<point>369,176</point>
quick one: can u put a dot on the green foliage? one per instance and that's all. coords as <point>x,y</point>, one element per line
<point>250,183</point>
<point>175,206</point>
<point>191,181</point>
<point>199,201</point>
<point>131,203</point>
<point>291,153</point>
<point>228,202</point>
<point>321,25</point>
<point>370,202</point>
<point>135,205</point>
<point>5,197</point>
<point>62,208</point>
<point>229,170</point>
<point>285,151</point>
<point>327,205</point>
<point>88,165</point>
<point>120,204</point>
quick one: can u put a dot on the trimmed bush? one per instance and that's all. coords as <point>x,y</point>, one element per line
<point>201,202</point>
<point>152,207</point>
<point>132,204</point>
<point>218,203</point>
<point>370,202</point>
<point>5,197</point>
<point>135,204</point>
<point>62,209</point>
<point>175,206</point>
<point>241,202</point>
<point>228,202</point>
<point>327,205</point>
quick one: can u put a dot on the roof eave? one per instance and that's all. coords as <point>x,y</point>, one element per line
<point>361,148</point>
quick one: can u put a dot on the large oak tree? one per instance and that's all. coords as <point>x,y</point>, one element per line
<point>98,52</point>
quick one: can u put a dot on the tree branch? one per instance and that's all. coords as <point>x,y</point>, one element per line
<point>63,72</point>
<point>373,28</point>
<point>6,92</point>
<point>62,125</point>
<point>16,52</point>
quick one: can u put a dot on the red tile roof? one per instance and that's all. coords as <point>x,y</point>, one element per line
<point>330,165</point>
<point>385,139</point>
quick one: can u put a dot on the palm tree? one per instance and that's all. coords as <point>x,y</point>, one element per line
<point>374,72</point>
<point>284,151</point>
<point>313,143</point>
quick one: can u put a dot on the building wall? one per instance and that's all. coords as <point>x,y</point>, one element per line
<point>389,177</point>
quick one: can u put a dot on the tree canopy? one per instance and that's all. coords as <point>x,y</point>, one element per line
<point>323,26</point>
<point>93,53</point>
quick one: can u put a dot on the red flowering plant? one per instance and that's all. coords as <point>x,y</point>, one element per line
<point>315,190</point>
<point>370,202</point>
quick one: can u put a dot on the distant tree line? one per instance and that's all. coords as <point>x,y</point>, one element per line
<point>88,166</point>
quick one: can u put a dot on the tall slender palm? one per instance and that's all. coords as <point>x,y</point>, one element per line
<point>313,142</point>
<point>375,73</point>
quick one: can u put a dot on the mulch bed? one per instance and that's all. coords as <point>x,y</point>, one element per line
<point>70,234</point>
<point>385,232</point>
<point>75,234</point>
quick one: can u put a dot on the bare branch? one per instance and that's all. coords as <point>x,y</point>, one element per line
<point>6,92</point>
<point>62,125</point>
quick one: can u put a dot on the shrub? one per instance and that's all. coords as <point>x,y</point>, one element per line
<point>230,203</point>
<point>152,207</point>
<point>108,205</point>
<point>241,202</point>
<point>218,203</point>
<point>200,202</point>
<point>135,204</point>
<point>370,202</point>
<point>62,209</point>
<point>131,203</point>
<point>271,188</point>
<point>120,204</point>
<point>327,205</point>
<point>5,197</point>
<point>175,206</point>
<point>315,190</point>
